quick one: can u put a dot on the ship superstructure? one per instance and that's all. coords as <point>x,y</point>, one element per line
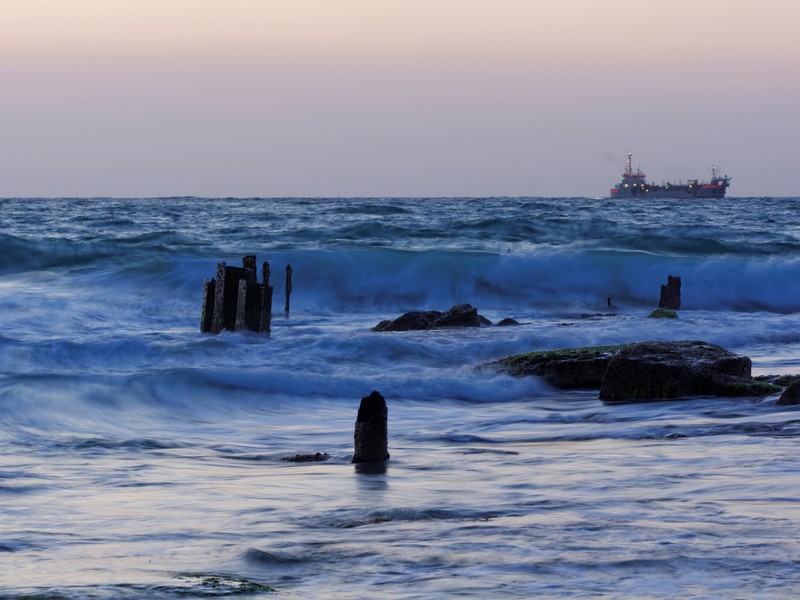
<point>635,185</point>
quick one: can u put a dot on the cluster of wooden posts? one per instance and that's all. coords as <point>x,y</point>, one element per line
<point>234,300</point>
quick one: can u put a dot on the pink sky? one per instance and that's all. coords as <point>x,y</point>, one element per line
<point>394,97</point>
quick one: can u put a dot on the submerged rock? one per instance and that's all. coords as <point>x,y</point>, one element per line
<point>461,315</point>
<point>302,458</point>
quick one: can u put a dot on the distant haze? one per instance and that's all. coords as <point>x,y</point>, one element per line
<point>395,97</point>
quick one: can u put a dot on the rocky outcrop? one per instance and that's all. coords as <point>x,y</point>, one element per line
<point>461,315</point>
<point>643,371</point>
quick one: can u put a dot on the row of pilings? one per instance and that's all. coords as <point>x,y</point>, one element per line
<point>234,300</point>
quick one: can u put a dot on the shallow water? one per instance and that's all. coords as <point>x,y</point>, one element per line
<point>140,458</point>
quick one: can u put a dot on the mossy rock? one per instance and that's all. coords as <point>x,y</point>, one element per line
<point>745,387</point>
<point>663,313</point>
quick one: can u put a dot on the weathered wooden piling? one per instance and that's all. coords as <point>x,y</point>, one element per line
<point>241,306</point>
<point>207,316</point>
<point>235,301</point>
<point>671,294</point>
<point>218,313</point>
<point>371,435</point>
<point>288,288</point>
<point>265,315</point>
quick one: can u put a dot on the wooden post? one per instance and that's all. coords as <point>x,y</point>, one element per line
<point>288,288</point>
<point>671,294</point>
<point>241,306</point>
<point>218,319</point>
<point>249,262</point>
<point>252,306</point>
<point>207,316</point>
<point>265,272</point>
<point>233,275</point>
<point>265,320</point>
<point>371,435</point>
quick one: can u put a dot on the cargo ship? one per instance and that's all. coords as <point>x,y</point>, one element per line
<point>635,185</point>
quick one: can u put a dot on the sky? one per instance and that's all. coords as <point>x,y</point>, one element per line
<point>321,98</point>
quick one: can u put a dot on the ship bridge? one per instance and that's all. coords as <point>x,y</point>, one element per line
<point>629,176</point>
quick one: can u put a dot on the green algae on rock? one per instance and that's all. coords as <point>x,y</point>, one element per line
<point>663,313</point>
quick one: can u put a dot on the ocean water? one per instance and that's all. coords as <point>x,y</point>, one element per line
<point>140,458</point>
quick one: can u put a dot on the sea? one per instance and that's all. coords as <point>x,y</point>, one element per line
<point>142,458</point>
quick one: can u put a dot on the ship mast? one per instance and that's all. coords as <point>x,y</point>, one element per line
<point>630,169</point>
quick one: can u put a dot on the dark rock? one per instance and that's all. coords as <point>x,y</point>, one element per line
<point>656,370</point>
<point>791,395</point>
<point>461,315</point>
<point>371,435</point>
<point>508,321</point>
<point>671,294</point>
<point>411,321</point>
<point>571,368</point>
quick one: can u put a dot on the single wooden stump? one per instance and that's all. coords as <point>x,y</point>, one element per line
<point>288,287</point>
<point>265,315</point>
<point>671,294</point>
<point>372,431</point>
